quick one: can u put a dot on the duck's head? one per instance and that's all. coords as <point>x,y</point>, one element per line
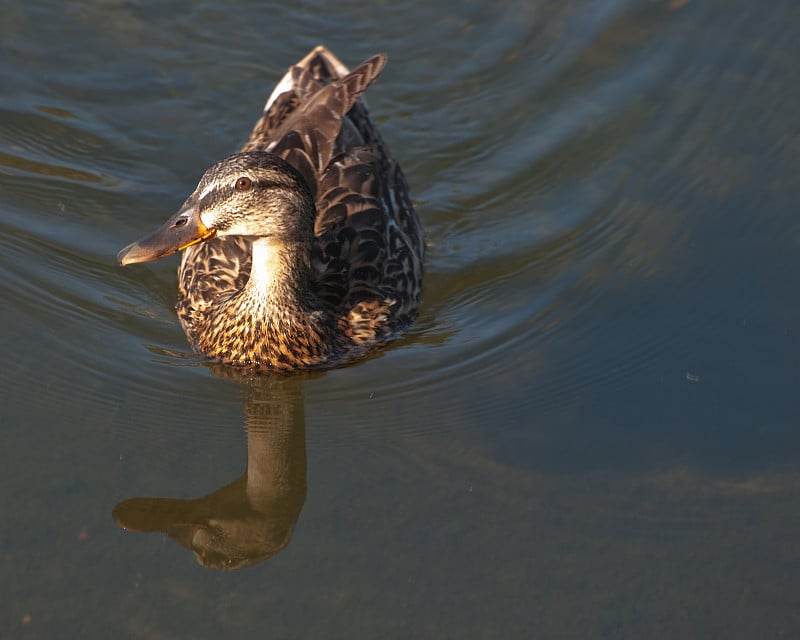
<point>254,194</point>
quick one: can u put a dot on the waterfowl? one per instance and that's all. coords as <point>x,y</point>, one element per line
<point>303,250</point>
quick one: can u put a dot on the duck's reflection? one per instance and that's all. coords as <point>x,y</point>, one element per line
<point>251,518</point>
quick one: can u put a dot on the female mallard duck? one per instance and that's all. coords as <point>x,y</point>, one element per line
<point>303,250</point>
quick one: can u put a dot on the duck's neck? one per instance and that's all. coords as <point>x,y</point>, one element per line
<point>283,324</point>
<point>280,276</point>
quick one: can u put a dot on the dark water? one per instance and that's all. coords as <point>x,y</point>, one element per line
<point>591,432</point>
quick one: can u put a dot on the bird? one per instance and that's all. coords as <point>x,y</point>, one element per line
<point>303,250</point>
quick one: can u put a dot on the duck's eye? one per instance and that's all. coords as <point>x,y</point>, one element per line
<point>243,183</point>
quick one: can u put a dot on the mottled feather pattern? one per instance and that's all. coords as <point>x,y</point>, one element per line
<point>209,271</point>
<point>366,258</point>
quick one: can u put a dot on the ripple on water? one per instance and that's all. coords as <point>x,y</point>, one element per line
<point>59,234</point>
<point>540,210</point>
<point>534,198</point>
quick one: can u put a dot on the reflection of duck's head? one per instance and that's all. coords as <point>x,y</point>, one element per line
<point>236,544</point>
<point>224,529</point>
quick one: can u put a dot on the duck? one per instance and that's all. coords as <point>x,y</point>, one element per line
<point>303,250</point>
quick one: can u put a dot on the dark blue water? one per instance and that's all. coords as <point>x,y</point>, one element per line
<point>590,432</point>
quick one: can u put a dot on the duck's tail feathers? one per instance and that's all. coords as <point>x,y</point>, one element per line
<point>302,122</point>
<point>319,67</point>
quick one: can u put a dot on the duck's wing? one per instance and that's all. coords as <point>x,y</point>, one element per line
<point>368,249</point>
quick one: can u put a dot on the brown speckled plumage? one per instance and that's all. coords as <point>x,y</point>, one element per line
<point>313,263</point>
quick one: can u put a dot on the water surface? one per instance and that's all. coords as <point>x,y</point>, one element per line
<point>591,431</point>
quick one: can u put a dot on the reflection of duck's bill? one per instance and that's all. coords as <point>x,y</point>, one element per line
<point>158,514</point>
<point>182,230</point>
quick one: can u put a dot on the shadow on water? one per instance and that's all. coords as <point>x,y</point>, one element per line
<point>252,518</point>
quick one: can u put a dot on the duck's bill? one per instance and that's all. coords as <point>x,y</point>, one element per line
<point>182,230</point>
